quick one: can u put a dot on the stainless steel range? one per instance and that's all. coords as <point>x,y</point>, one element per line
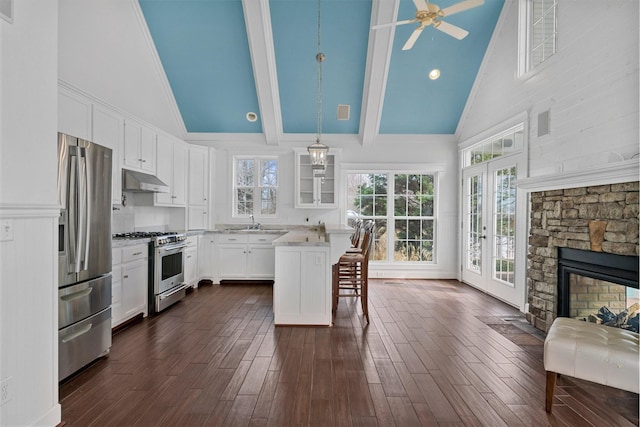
<point>168,285</point>
<point>166,267</point>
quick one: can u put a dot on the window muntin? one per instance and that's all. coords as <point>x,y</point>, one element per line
<point>475,224</point>
<point>403,208</point>
<point>504,222</point>
<point>502,144</point>
<point>537,33</point>
<point>367,200</point>
<point>255,186</point>
<point>543,30</point>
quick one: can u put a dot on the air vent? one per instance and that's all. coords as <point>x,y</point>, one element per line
<point>6,10</point>
<point>343,111</point>
<point>543,123</point>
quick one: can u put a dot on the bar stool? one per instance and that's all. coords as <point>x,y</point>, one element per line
<point>351,272</point>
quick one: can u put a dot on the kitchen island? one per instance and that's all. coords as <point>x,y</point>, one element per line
<point>302,287</point>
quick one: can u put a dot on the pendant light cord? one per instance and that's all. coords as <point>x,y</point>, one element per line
<point>319,58</point>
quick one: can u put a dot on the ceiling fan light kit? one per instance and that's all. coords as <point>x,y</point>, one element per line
<point>430,14</point>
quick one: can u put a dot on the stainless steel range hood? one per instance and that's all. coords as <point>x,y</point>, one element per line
<point>142,182</point>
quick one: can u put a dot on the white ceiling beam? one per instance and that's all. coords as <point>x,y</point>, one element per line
<point>377,69</point>
<point>257,18</point>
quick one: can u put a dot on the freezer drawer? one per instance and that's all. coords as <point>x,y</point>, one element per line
<point>79,301</point>
<point>83,342</point>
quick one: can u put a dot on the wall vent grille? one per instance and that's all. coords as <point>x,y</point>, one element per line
<point>543,123</point>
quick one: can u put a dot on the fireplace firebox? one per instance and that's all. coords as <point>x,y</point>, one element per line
<point>613,275</point>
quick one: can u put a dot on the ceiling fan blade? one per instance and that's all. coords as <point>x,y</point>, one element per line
<point>412,38</point>
<point>420,4</point>
<point>462,6</point>
<point>393,24</point>
<point>452,30</point>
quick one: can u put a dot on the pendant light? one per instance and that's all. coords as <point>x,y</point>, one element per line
<point>317,150</point>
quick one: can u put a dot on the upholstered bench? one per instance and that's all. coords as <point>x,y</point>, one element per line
<point>592,352</point>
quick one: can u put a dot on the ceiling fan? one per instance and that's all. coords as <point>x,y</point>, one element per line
<point>431,14</point>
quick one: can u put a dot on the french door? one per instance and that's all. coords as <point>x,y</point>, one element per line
<point>491,216</point>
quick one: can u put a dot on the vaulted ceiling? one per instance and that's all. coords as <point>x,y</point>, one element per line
<point>226,58</point>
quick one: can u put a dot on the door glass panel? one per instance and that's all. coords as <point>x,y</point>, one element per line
<point>504,224</point>
<point>474,225</point>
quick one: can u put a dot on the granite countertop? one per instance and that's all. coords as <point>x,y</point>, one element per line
<point>249,231</point>
<point>119,242</point>
<point>309,237</point>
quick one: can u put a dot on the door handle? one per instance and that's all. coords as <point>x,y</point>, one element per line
<point>76,295</point>
<point>76,334</point>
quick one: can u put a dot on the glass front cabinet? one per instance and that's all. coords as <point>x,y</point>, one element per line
<point>313,191</point>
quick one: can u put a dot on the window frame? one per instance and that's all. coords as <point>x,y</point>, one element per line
<point>526,34</point>
<point>256,187</point>
<point>390,216</point>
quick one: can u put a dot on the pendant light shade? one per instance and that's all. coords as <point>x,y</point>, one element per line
<point>318,154</point>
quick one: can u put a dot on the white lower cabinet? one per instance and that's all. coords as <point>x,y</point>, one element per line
<point>302,287</point>
<point>206,268</point>
<point>191,262</point>
<point>244,256</point>
<point>129,283</point>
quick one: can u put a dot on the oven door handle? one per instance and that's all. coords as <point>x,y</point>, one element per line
<point>175,291</point>
<point>173,247</point>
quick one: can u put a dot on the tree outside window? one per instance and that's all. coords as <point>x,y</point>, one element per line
<point>402,206</point>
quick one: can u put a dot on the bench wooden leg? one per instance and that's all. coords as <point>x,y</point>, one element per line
<point>551,385</point>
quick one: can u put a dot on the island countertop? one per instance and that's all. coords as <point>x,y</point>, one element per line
<point>315,236</point>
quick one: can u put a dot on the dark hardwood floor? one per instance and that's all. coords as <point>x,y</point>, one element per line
<point>436,353</point>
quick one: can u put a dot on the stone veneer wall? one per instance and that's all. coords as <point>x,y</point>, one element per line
<point>599,218</point>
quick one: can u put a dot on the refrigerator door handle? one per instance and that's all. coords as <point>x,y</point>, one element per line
<point>74,221</point>
<point>85,211</point>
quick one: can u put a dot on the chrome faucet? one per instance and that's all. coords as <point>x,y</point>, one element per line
<point>254,225</point>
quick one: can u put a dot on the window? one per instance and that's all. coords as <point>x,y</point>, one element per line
<point>507,142</point>
<point>538,31</point>
<point>255,186</point>
<point>403,208</point>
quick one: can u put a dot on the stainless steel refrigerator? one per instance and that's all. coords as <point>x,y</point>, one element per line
<point>84,253</point>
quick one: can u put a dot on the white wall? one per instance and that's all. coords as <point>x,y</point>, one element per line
<point>590,87</point>
<point>426,153</point>
<point>28,272</point>
<point>121,69</point>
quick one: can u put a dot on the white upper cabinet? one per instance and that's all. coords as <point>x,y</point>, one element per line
<point>139,147</point>
<point>198,198</point>
<point>313,191</point>
<point>198,176</point>
<point>108,131</point>
<point>74,114</point>
<point>171,169</point>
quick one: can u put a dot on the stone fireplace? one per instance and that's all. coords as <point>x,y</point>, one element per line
<point>593,219</point>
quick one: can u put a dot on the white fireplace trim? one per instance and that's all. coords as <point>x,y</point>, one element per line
<point>611,173</point>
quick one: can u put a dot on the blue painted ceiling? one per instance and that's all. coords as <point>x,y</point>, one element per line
<point>225,58</point>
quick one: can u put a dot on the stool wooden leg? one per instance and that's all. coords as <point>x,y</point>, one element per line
<point>335,272</point>
<point>551,385</point>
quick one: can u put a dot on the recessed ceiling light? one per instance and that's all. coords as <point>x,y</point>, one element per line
<point>434,74</point>
<point>252,117</point>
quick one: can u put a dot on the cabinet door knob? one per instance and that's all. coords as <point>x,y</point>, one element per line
<point>125,276</point>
